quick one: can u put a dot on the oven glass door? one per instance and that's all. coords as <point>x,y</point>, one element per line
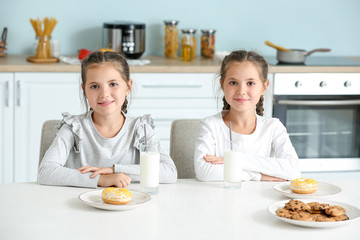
<point>321,126</point>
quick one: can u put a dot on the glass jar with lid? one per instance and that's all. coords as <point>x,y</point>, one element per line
<point>208,43</point>
<point>171,38</point>
<point>188,44</point>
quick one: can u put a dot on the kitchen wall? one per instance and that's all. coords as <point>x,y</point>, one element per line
<point>240,24</point>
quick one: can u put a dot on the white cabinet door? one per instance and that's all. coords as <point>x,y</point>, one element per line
<point>40,97</point>
<point>6,127</point>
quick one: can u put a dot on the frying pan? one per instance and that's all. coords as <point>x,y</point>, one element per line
<point>285,55</point>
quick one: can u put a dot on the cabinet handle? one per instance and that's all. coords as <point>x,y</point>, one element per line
<point>171,86</point>
<point>8,94</point>
<point>19,84</point>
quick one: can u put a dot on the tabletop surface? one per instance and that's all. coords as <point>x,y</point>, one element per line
<point>186,210</point>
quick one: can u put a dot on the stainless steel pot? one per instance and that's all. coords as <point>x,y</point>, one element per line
<point>296,55</point>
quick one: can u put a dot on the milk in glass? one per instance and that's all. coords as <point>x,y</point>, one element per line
<point>149,168</point>
<point>233,163</point>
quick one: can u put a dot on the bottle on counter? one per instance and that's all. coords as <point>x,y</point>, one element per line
<point>171,39</point>
<point>188,44</point>
<point>208,43</point>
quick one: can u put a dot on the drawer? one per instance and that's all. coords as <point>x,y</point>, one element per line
<point>172,114</point>
<point>151,103</point>
<point>168,85</point>
<point>171,109</point>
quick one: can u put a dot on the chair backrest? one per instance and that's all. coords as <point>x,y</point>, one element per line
<point>48,132</point>
<point>182,145</point>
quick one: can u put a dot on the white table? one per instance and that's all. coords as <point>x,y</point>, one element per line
<point>186,210</point>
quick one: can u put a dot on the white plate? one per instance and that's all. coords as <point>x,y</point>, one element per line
<point>93,198</point>
<point>324,190</point>
<point>352,212</point>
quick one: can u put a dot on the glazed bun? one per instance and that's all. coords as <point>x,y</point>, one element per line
<point>303,185</point>
<point>116,195</point>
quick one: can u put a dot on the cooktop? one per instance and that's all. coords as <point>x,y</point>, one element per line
<point>316,61</point>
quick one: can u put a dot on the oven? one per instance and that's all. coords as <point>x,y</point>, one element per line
<point>321,112</point>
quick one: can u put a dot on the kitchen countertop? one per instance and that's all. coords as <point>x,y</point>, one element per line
<point>159,64</point>
<point>188,209</point>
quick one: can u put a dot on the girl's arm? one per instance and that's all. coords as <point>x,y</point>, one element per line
<point>52,170</point>
<point>284,164</point>
<point>168,172</point>
<point>205,150</point>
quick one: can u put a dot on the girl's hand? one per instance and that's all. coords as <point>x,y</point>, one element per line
<point>96,170</point>
<point>213,159</point>
<point>116,179</point>
<point>271,178</point>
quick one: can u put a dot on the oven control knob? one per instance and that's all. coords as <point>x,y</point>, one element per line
<point>298,84</point>
<point>322,84</point>
<point>347,83</point>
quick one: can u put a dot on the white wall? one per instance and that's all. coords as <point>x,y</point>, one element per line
<point>247,24</point>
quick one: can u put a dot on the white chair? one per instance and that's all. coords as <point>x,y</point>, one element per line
<point>48,132</point>
<point>182,145</point>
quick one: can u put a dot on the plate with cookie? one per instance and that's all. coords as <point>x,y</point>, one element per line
<point>314,213</point>
<point>306,188</point>
<point>116,199</point>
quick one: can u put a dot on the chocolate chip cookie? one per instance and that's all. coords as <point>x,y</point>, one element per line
<point>297,205</point>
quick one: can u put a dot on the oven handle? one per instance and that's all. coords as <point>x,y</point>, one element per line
<point>319,102</point>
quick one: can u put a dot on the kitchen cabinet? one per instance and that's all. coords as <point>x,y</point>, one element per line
<point>6,127</point>
<point>31,99</point>
<point>170,96</point>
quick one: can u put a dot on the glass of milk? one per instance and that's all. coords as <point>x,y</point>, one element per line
<point>233,162</point>
<point>149,167</point>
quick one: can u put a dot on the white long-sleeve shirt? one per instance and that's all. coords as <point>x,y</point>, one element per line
<point>267,150</point>
<point>78,143</point>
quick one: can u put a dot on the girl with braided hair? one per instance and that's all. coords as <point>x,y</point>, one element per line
<point>101,147</point>
<point>269,154</point>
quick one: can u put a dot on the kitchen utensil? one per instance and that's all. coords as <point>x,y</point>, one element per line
<point>145,137</point>
<point>3,35</point>
<point>125,37</point>
<point>351,211</point>
<point>276,46</point>
<point>296,55</point>
<point>325,190</point>
<point>93,198</point>
<point>285,55</point>
<point>42,60</point>
<point>231,147</point>
<point>220,55</point>
<point>3,42</point>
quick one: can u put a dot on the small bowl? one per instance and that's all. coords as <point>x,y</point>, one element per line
<point>221,55</point>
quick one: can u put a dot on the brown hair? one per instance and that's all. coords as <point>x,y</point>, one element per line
<point>97,58</point>
<point>243,56</point>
